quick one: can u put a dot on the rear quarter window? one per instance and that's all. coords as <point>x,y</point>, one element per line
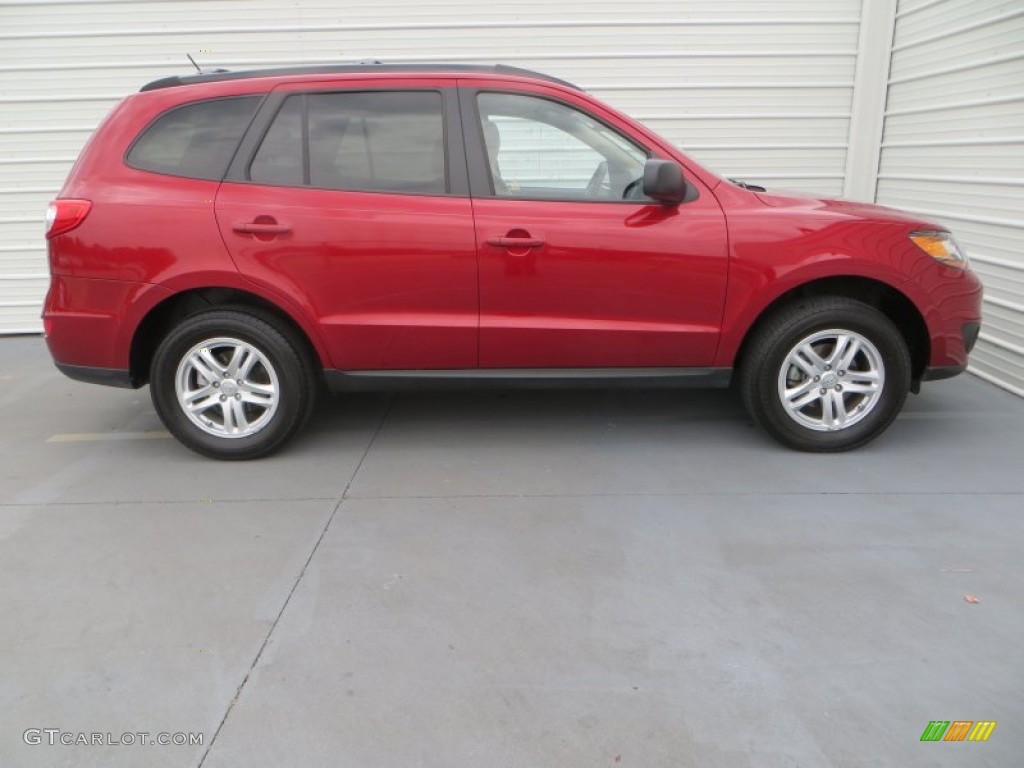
<point>196,140</point>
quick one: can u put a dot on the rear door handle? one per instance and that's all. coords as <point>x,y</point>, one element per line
<point>514,242</point>
<point>262,228</point>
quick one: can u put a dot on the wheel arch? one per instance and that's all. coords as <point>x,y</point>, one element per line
<point>165,314</point>
<point>893,303</point>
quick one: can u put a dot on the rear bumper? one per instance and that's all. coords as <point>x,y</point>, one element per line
<point>111,377</point>
<point>82,317</point>
<point>89,325</point>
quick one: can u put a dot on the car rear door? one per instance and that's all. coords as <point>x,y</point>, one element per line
<point>350,199</point>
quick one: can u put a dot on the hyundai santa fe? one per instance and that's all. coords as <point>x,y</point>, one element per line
<point>239,239</point>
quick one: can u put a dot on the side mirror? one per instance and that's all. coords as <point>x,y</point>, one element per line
<point>664,182</point>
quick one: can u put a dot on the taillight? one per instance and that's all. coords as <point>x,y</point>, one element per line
<point>65,214</point>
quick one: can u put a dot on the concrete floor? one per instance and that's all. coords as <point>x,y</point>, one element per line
<point>528,579</point>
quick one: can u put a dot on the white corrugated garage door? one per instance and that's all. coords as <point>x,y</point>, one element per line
<point>953,147</point>
<point>757,90</point>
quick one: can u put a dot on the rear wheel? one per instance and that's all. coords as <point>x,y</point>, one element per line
<point>825,374</point>
<point>231,384</point>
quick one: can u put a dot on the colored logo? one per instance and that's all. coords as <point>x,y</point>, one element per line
<point>958,730</point>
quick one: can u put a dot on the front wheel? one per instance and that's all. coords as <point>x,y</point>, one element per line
<point>825,374</point>
<point>231,384</point>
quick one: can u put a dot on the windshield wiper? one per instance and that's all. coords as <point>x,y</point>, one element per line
<point>745,185</point>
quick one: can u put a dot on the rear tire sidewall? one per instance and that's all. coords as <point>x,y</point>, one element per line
<point>292,408</point>
<point>767,361</point>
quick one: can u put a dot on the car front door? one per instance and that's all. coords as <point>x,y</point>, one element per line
<point>577,268</point>
<point>353,202</point>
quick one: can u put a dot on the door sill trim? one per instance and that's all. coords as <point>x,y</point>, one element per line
<point>528,378</point>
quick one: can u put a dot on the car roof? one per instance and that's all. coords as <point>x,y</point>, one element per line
<point>219,75</point>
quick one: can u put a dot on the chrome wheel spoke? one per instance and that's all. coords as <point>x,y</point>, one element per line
<point>800,396</point>
<point>807,360</point>
<point>256,388</point>
<point>201,399</point>
<point>262,399</point>
<point>241,364</point>
<point>204,365</point>
<point>826,410</point>
<point>802,402</point>
<point>247,365</point>
<point>846,350</point>
<point>862,376</point>
<point>839,414</point>
<point>228,415</point>
<point>855,388</point>
<point>238,415</point>
<point>237,355</point>
<point>861,382</point>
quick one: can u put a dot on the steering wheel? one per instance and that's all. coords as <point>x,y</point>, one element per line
<point>630,192</point>
<point>594,186</point>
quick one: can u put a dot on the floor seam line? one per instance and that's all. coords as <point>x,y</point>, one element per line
<point>671,495</point>
<point>611,494</point>
<point>369,446</point>
<point>270,632</point>
<point>143,502</point>
<point>295,586</point>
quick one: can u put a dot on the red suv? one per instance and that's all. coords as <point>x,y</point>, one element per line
<point>237,238</point>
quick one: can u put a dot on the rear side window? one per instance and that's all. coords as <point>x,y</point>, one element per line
<point>381,141</point>
<point>195,140</point>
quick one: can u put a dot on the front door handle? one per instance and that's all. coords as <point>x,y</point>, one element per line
<point>515,242</point>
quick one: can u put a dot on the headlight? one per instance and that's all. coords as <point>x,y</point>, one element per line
<point>940,246</point>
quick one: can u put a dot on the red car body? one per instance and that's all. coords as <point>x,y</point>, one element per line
<point>405,282</point>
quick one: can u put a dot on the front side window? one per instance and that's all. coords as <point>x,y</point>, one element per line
<point>382,141</point>
<point>542,149</point>
<point>196,140</point>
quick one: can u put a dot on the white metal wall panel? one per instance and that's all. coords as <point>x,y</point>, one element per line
<point>953,148</point>
<point>756,90</point>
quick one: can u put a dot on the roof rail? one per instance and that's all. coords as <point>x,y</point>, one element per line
<point>213,76</point>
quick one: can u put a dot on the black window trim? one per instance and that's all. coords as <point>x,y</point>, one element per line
<point>456,172</point>
<point>260,97</point>
<point>481,183</point>
<point>304,120</point>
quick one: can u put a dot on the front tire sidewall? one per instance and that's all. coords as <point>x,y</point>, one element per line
<point>291,408</point>
<point>769,410</point>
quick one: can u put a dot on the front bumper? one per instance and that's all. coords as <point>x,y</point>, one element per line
<point>939,372</point>
<point>969,334</point>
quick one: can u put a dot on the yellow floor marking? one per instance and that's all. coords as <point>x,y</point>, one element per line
<point>85,437</point>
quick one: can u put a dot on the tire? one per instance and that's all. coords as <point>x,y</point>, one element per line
<point>861,363</point>
<point>233,416</point>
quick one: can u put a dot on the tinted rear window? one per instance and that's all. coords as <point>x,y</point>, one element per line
<point>195,140</point>
<point>381,141</point>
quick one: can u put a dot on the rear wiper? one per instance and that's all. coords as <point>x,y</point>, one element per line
<point>745,185</point>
